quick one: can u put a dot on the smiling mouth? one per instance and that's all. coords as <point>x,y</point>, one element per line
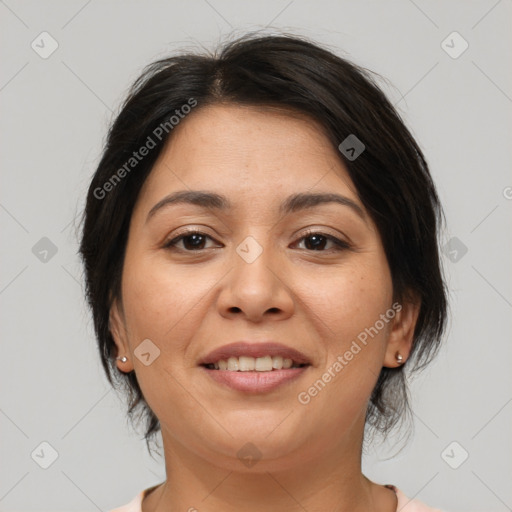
<point>257,364</point>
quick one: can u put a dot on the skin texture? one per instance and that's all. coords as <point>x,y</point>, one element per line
<point>318,301</point>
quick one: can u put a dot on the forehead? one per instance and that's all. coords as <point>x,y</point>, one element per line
<point>248,153</point>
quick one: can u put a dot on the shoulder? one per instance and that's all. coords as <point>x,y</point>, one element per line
<point>134,506</point>
<point>406,504</point>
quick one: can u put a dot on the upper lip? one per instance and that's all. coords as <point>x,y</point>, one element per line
<point>251,349</point>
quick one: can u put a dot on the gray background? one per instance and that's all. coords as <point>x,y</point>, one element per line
<point>55,112</point>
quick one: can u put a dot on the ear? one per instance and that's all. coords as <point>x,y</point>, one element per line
<point>402,331</point>
<point>118,330</point>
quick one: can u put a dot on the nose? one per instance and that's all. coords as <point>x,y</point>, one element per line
<point>256,289</point>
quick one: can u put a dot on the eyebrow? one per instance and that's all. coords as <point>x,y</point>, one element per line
<point>291,204</point>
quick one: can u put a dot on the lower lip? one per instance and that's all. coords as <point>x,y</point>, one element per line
<point>253,381</point>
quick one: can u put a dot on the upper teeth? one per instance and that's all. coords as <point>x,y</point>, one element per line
<point>260,364</point>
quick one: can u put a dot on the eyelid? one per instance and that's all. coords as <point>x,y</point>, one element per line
<point>170,242</point>
<point>339,243</point>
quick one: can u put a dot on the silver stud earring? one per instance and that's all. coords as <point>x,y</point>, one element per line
<point>399,358</point>
<point>122,359</point>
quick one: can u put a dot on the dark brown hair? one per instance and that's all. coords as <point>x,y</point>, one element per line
<point>391,177</point>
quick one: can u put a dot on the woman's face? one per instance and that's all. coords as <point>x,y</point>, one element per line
<point>258,272</point>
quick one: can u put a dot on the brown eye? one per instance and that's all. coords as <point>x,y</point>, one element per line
<point>318,242</point>
<point>191,241</point>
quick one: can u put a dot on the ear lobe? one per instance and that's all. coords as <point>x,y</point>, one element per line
<point>401,336</point>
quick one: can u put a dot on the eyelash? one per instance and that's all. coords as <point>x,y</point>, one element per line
<point>340,244</point>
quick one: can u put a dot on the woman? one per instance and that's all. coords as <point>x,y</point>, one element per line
<point>261,256</point>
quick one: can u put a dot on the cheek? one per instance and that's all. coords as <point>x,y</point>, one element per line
<point>159,306</point>
<point>347,301</point>
<point>347,309</point>
<point>159,298</point>
<point>162,305</point>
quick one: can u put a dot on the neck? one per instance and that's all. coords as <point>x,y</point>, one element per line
<point>331,480</point>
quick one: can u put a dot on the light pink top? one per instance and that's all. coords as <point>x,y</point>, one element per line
<point>404,503</point>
